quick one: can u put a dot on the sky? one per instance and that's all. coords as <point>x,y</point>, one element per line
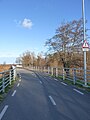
<point>27,24</point>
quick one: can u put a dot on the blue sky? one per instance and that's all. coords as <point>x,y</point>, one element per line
<point>27,24</point>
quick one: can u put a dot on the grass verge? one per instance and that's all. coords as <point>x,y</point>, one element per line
<point>78,85</point>
<point>7,89</point>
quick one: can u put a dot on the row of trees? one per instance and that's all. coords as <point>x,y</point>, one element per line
<point>30,59</point>
<point>64,48</point>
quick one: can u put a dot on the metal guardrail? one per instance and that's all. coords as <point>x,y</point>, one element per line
<point>76,75</point>
<point>6,78</point>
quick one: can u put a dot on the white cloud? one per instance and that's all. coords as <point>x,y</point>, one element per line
<point>27,23</point>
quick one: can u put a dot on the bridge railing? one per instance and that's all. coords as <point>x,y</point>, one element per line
<point>6,78</point>
<point>76,75</point>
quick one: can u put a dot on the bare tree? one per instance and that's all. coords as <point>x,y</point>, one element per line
<point>26,58</point>
<point>40,60</point>
<point>68,43</point>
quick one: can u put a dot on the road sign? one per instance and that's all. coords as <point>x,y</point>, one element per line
<point>85,46</point>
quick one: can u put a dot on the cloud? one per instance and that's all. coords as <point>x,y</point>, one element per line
<point>27,23</point>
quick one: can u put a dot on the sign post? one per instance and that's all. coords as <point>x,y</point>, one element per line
<point>85,45</point>
<point>85,48</point>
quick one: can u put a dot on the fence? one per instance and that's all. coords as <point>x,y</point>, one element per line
<point>72,74</point>
<point>6,78</point>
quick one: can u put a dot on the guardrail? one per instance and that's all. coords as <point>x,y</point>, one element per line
<point>76,75</point>
<point>6,78</point>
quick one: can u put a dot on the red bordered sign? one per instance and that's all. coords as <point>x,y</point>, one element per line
<point>85,46</point>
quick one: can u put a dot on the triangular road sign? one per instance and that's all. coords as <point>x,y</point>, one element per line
<point>85,44</point>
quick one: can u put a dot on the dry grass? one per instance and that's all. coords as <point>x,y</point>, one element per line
<point>4,67</point>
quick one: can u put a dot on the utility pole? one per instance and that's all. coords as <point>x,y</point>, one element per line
<point>84,38</point>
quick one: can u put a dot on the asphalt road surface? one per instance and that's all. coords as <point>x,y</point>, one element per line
<point>37,96</point>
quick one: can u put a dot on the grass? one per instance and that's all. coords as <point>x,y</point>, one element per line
<point>60,77</point>
<point>7,89</point>
<point>9,86</point>
<point>88,84</point>
<point>68,82</point>
<point>1,97</point>
<point>87,89</point>
<point>80,86</point>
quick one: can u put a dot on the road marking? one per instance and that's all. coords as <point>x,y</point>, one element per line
<point>52,100</point>
<point>55,79</point>
<point>50,78</point>
<point>14,93</point>
<point>78,91</point>
<point>18,84</point>
<point>3,111</point>
<point>19,80</point>
<point>33,75</point>
<point>40,82</point>
<point>64,83</point>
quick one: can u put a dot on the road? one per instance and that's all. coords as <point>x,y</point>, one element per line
<point>37,96</point>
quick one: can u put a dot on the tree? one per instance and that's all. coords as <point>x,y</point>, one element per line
<point>67,42</point>
<point>26,58</point>
<point>40,60</point>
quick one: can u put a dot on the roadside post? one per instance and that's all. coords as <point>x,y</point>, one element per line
<point>85,48</point>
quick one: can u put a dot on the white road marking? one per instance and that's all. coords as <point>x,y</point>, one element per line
<point>64,83</point>
<point>19,80</point>
<point>52,100</point>
<point>78,91</point>
<point>33,75</point>
<point>3,111</point>
<point>40,82</point>
<point>18,84</point>
<point>14,93</point>
<point>55,79</point>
